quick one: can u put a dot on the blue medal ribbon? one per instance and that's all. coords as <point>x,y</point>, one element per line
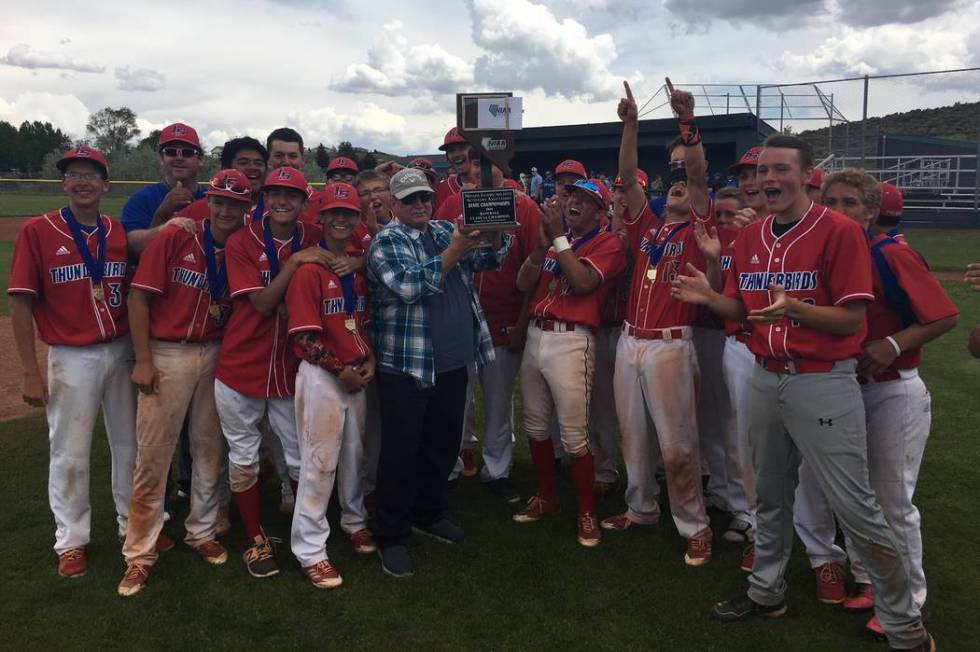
<point>96,268</point>
<point>656,252</point>
<point>347,285</point>
<point>271,251</point>
<point>576,246</point>
<point>217,274</point>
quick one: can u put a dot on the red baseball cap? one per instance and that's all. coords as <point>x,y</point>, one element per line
<point>83,153</point>
<point>594,188</point>
<point>231,184</point>
<point>816,179</point>
<point>452,137</point>
<point>179,132</point>
<point>641,178</point>
<point>892,202</point>
<point>286,178</point>
<point>571,166</point>
<point>343,163</point>
<point>339,194</point>
<point>424,164</point>
<point>749,159</point>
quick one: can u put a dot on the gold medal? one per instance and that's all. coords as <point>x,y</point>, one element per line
<point>98,293</point>
<point>652,273</point>
<point>215,311</point>
<point>552,285</point>
<point>350,324</point>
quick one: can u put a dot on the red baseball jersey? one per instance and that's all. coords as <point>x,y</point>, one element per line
<point>728,235</point>
<point>174,268</point>
<point>650,304</point>
<point>315,302</point>
<point>499,298</point>
<point>47,265</point>
<point>822,260</point>
<point>927,299</point>
<point>445,189</point>
<point>360,240</point>
<point>256,359</point>
<point>553,298</point>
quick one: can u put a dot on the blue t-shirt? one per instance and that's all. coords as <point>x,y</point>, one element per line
<point>548,188</point>
<point>450,318</point>
<point>535,184</point>
<point>138,211</point>
<point>657,204</point>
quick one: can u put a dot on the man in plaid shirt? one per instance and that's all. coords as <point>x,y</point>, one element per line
<point>429,328</point>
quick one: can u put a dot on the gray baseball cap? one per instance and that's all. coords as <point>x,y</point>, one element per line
<point>409,180</point>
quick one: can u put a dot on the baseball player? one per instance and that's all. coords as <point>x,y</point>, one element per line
<point>802,278</point>
<point>457,153</point>
<point>285,147</point>
<point>910,309</point>
<point>424,164</point>
<point>178,305</point>
<point>814,184</point>
<point>326,314</point>
<point>890,212</point>
<point>570,277</point>
<point>248,156</point>
<point>507,316</point>
<point>343,169</point>
<point>256,367</point>
<point>656,367</point>
<point>68,276</point>
<point>372,189</point>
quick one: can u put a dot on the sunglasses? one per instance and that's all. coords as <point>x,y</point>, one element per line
<point>233,187</point>
<point>179,152</point>
<point>416,197</point>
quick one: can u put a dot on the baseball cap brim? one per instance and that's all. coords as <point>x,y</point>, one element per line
<point>223,192</point>
<point>571,187</point>
<point>405,192</point>
<point>340,203</point>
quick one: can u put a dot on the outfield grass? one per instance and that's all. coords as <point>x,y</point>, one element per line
<point>19,205</point>
<point>508,586</point>
<point>946,249</point>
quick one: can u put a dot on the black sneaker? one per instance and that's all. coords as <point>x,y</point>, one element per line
<point>260,558</point>
<point>396,561</point>
<point>443,530</point>
<point>504,489</point>
<point>743,607</point>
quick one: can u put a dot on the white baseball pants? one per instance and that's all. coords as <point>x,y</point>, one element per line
<point>738,364</point>
<point>186,386</point>
<point>81,379</point>
<point>330,425</point>
<point>899,414</point>
<point>497,383</point>
<point>603,425</point>
<point>659,378</point>
<point>240,418</point>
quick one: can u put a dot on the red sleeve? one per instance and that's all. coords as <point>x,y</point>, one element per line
<point>607,258</point>
<point>847,264</point>
<point>244,275</point>
<point>25,266</point>
<point>637,226</point>
<point>303,299</point>
<point>731,278</point>
<point>529,216</point>
<point>927,297</point>
<point>197,210</point>
<point>151,274</point>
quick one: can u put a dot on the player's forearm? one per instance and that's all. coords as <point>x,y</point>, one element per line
<point>163,213</point>
<point>727,308</point>
<point>581,277</point>
<point>713,272</point>
<point>528,274</point>
<point>138,307</point>
<point>916,335</point>
<point>837,320</point>
<point>315,353</point>
<point>22,321</point>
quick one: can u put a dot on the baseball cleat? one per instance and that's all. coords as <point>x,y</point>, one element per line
<point>861,599</point>
<point>744,607</point>
<point>133,580</point>
<point>588,531</point>
<point>260,558</point>
<point>698,548</point>
<point>323,575</point>
<point>738,531</point>
<point>830,583</point>
<point>929,645</point>
<point>363,542</point>
<point>72,563</point>
<point>874,628</point>
<point>748,558</point>
<point>469,462</point>
<point>620,522</point>
<point>535,509</point>
<point>212,552</point>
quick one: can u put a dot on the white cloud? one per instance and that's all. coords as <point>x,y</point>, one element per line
<point>396,68</point>
<point>367,123</point>
<point>141,79</point>
<point>63,111</point>
<point>528,48</point>
<point>22,56</point>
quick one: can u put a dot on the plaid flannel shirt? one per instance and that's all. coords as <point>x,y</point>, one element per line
<point>401,275</point>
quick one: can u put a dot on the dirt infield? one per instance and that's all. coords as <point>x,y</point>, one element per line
<point>9,227</point>
<point>11,373</point>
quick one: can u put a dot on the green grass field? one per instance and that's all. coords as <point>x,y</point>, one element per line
<point>508,586</point>
<point>19,205</point>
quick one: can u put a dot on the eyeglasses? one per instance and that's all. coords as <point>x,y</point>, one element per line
<point>233,187</point>
<point>82,176</point>
<point>182,152</point>
<point>416,197</point>
<point>340,176</point>
<point>375,192</point>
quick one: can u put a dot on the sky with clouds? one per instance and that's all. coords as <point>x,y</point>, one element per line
<point>384,75</point>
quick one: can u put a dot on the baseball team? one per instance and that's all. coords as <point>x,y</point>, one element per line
<point>766,338</point>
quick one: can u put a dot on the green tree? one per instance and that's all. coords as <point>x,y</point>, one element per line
<point>151,140</point>
<point>369,161</point>
<point>112,129</point>
<point>346,149</point>
<point>322,157</point>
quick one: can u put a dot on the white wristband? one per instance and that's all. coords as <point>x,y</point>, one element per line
<point>891,340</point>
<point>561,244</point>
